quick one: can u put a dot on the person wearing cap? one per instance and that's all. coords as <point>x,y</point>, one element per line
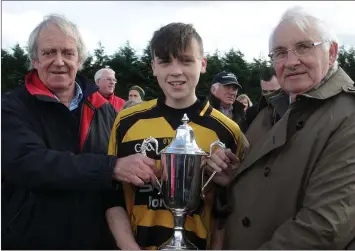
<point>136,93</point>
<point>224,91</point>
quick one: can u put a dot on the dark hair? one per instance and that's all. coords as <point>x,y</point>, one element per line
<point>173,39</point>
<point>267,73</point>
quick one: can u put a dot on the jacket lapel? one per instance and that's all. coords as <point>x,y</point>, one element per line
<point>273,139</point>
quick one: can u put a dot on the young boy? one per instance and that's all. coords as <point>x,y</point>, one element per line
<point>144,222</point>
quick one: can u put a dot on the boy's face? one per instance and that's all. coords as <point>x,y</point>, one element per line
<point>178,77</point>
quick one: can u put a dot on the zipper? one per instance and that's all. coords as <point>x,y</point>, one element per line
<point>81,117</point>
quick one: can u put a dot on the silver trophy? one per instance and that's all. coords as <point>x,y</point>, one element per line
<point>182,179</point>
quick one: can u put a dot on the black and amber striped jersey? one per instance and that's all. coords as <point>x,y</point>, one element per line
<point>151,222</point>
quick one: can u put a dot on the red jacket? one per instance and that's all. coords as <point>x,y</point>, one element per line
<point>117,102</point>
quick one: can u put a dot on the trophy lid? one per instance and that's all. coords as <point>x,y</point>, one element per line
<point>184,141</point>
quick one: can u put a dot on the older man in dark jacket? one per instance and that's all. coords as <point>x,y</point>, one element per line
<point>224,91</point>
<point>55,134</point>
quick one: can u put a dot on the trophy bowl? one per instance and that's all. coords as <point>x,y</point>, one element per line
<point>181,180</point>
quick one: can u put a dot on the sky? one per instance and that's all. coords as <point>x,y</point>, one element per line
<point>245,26</point>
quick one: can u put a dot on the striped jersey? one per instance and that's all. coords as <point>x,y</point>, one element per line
<point>152,223</point>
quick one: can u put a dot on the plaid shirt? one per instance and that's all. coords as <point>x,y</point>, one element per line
<point>77,98</point>
<point>228,112</point>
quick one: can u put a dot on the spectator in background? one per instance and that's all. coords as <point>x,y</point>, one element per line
<point>224,91</point>
<point>106,81</point>
<point>245,100</point>
<point>270,87</point>
<point>136,93</point>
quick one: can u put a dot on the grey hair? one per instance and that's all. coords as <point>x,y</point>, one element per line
<point>306,21</point>
<point>99,73</point>
<point>67,27</point>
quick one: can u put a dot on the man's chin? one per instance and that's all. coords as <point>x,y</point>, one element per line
<point>229,102</point>
<point>59,85</point>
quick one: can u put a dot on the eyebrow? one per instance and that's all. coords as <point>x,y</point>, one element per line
<point>183,56</point>
<point>283,47</point>
<point>54,49</point>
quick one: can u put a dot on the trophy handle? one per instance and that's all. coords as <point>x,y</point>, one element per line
<point>144,147</point>
<point>221,145</point>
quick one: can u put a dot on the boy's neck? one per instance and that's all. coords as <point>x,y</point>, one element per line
<point>182,103</point>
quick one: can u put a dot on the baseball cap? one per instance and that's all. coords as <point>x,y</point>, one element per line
<point>227,78</point>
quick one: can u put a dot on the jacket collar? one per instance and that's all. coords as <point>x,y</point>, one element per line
<point>280,102</point>
<point>36,87</point>
<point>337,83</point>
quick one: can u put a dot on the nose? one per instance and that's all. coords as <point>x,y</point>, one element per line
<point>58,61</point>
<point>175,68</point>
<point>291,59</point>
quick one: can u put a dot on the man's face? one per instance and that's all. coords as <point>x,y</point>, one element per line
<point>299,74</point>
<point>178,77</point>
<point>107,83</point>
<point>58,60</point>
<point>270,86</point>
<point>134,95</point>
<point>226,93</point>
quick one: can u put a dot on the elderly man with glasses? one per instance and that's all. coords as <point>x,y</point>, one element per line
<point>295,188</point>
<point>106,81</point>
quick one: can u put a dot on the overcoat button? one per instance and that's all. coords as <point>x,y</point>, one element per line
<point>246,222</point>
<point>267,171</point>
<point>300,125</point>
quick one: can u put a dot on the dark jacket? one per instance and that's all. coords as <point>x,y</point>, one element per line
<point>238,111</point>
<point>55,169</point>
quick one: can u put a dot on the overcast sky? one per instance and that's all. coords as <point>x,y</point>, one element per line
<point>222,25</point>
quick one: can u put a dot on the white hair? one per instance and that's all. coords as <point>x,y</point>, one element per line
<point>306,21</point>
<point>99,73</point>
<point>214,87</point>
<point>67,27</point>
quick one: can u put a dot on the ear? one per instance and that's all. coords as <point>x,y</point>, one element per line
<point>333,52</point>
<point>153,67</point>
<point>35,64</point>
<point>212,89</point>
<point>204,65</point>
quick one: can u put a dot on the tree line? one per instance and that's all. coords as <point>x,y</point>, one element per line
<point>132,69</point>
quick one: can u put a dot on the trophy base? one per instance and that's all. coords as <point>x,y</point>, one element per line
<point>180,243</point>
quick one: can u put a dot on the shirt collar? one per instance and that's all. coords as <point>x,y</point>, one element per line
<point>229,109</point>
<point>77,98</point>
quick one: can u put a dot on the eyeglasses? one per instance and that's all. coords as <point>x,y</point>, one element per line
<point>110,79</point>
<point>299,50</point>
